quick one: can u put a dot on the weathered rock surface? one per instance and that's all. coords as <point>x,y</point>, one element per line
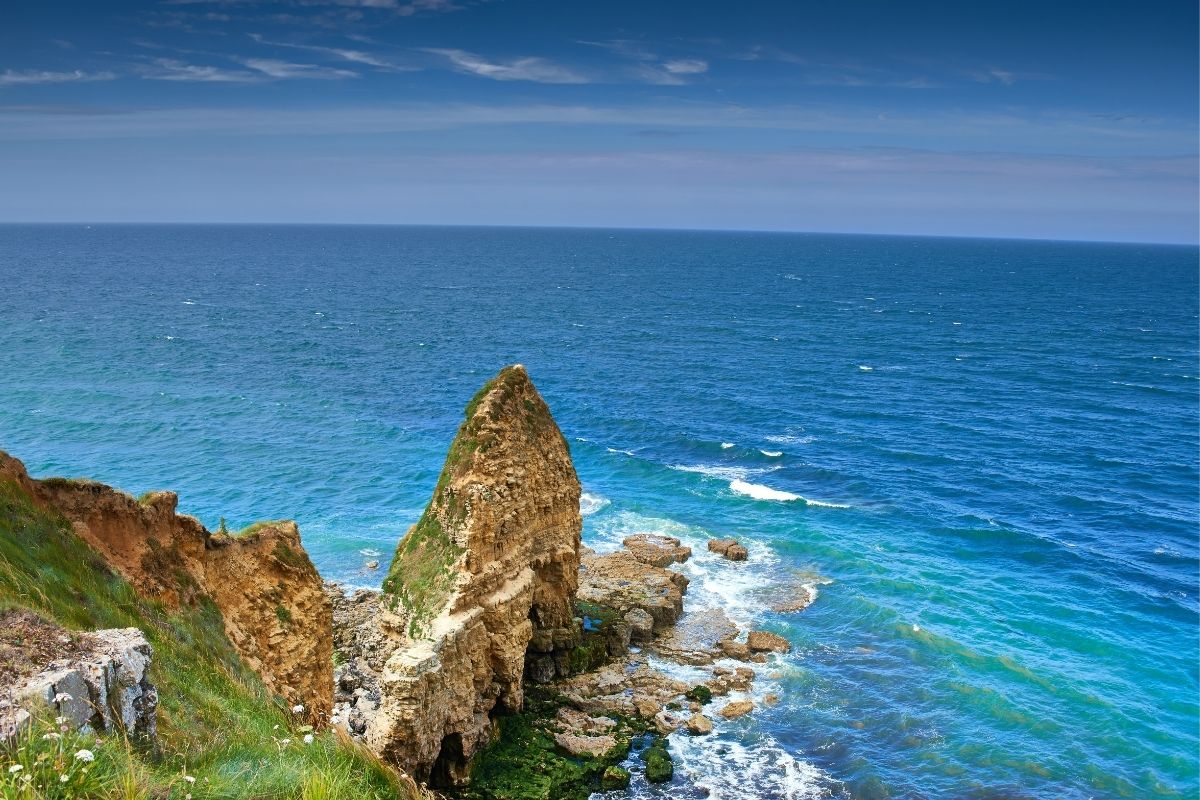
<point>621,582</point>
<point>698,638</point>
<point>729,548</point>
<point>269,594</point>
<point>699,725</point>
<point>737,708</point>
<point>492,563</point>
<point>100,684</point>
<point>766,642</point>
<point>628,686</point>
<point>656,550</point>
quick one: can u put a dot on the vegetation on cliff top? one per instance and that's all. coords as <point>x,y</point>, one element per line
<point>217,722</point>
<point>422,576</point>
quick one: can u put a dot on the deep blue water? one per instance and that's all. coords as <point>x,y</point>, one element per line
<point>1004,436</point>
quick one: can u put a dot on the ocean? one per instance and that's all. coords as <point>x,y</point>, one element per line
<point>979,455</point>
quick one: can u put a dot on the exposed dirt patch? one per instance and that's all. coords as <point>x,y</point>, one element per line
<point>29,643</point>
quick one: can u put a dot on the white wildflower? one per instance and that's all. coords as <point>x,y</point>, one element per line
<point>62,697</point>
<point>285,742</point>
<point>189,779</point>
<point>59,720</point>
<point>297,709</point>
<point>15,768</point>
<point>308,738</point>
<point>85,755</point>
<point>63,778</point>
<point>27,779</point>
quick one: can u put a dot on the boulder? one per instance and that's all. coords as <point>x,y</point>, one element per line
<point>590,746</point>
<point>737,708</point>
<point>766,642</point>
<point>699,725</point>
<point>656,550</point>
<point>729,548</point>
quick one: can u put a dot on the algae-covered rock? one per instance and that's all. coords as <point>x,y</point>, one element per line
<point>614,778</point>
<point>659,768</point>
<point>701,694</point>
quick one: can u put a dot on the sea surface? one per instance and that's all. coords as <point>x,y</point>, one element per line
<point>980,455</point>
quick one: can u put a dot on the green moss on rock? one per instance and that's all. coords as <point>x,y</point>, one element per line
<point>659,767</point>
<point>614,778</point>
<point>700,693</point>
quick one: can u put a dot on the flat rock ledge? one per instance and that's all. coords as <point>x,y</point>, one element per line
<point>103,686</point>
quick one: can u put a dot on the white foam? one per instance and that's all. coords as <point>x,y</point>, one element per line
<point>865,368</point>
<point>726,445</point>
<point>760,492</point>
<point>771,453</point>
<point>592,503</point>
<point>790,439</point>
<point>620,452</point>
<point>369,552</point>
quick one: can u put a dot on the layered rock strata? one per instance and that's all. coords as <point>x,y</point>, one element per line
<point>270,596</point>
<point>490,568</point>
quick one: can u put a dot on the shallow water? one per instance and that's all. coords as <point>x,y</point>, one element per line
<point>981,454</point>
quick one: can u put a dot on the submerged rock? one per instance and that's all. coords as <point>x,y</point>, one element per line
<point>614,778</point>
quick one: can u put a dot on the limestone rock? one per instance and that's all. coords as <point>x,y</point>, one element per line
<point>491,566</point>
<point>621,582</point>
<point>729,548</point>
<point>765,642</point>
<point>641,625</point>
<point>592,746</point>
<point>699,725</point>
<point>656,550</point>
<point>698,638</point>
<point>628,686</point>
<point>737,708</point>
<point>100,683</point>
<point>266,588</point>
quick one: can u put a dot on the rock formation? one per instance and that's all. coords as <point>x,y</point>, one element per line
<point>94,681</point>
<point>268,592</point>
<point>489,570</point>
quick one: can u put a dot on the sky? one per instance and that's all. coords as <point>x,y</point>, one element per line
<point>1060,120</point>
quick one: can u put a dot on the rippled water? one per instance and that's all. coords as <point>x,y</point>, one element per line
<point>982,454</point>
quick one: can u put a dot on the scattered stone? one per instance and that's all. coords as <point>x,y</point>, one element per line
<point>766,642</point>
<point>737,708</point>
<point>729,548</point>
<point>656,550</point>
<point>699,725</point>
<point>701,694</point>
<point>627,686</point>
<point>372,564</point>
<point>771,699</point>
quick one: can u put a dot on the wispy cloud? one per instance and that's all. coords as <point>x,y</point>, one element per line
<point>648,65</point>
<point>256,70</point>
<point>686,66</point>
<point>529,68</point>
<point>32,77</point>
<point>344,54</point>
<point>286,70</point>
<point>169,69</point>
<point>401,7</point>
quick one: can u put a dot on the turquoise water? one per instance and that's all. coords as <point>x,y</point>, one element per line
<point>981,454</point>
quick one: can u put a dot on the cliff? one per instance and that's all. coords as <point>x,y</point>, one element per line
<point>491,567</point>
<point>270,598</point>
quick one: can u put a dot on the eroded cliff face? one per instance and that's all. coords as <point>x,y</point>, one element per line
<point>269,594</point>
<point>491,567</point>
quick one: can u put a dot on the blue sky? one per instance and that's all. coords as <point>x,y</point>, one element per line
<point>1049,120</point>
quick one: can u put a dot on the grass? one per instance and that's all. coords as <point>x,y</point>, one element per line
<point>216,720</point>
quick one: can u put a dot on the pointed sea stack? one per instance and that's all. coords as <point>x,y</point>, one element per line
<point>487,575</point>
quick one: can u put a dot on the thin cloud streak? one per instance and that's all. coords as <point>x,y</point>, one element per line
<point>529,68</point>
<point>34,77</point>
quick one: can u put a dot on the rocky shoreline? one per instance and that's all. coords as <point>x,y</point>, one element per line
<point>500,658</point>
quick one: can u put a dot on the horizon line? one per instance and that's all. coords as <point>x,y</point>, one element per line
<point>640,229</point>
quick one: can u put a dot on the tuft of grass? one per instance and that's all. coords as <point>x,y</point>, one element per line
<point>217,722</point>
